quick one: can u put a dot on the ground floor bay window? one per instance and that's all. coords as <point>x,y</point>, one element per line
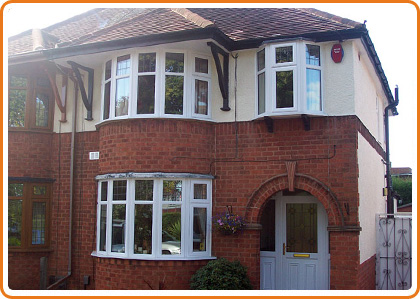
<point>154,216</point>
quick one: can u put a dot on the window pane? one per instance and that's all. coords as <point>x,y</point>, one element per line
<point>144,190</point>
<point>108,69</point>
<point>38,223</point>
<point>119,190</point>
<point>199,229</point>
<point>200,191</point>
<point>201,97</point>
<point>313,55</point>
<point>172,190</point>
<point>268,232</point>
<point>104,191</point>
<point>41,110</point>
<point>313,89</point>
<point>301,227</point>
<point>122,96</point>
<point>174,94</point>
<point>143,215</point>
<point>18,81</point>
<point>39,190</point>
<point>261,93</point>
<point>147,62</point>
<point>284,89</point>
<point>107,99</point>
<point>123,65</point>
<point>201,65</point>
<point>17,102</point>
<point>261,60</point>
<point>15,222</point>
<point>15,189</point>
<point>102,225</point>
<point>171,229</point>
<point>118,228</point>
<point>174,63</point>
<point>284,54</point>
<point>146,94</point>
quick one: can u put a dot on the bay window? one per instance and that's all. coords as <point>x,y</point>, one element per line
<point>289,79</point>
<point>156,84</point>
<point>154,217</point>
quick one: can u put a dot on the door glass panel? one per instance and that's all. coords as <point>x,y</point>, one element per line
<point>268,232</point>
<point>301,227</point>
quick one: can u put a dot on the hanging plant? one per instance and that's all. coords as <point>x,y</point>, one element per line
<point>228,223</point>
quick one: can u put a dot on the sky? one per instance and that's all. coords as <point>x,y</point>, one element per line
<point>392,28</point>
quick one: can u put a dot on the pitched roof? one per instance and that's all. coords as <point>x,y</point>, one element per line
<point>401,171</point>
<point>238,24</point>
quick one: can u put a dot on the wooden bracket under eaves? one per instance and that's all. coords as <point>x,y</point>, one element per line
<point>87,98</point>
<point>222,74</point>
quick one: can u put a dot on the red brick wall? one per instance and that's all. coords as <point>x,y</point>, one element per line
<point>367,274</point>
<point>189,146</point>
<point>24,270</point>
<point>112,274</point>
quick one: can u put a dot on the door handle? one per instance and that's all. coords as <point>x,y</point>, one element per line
<point>284,248</point>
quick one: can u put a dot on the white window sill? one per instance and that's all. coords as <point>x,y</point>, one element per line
<point>290,114</point>
<point>152,258</point>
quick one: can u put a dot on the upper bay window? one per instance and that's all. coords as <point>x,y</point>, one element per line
<point>156,84</point>
<point>289,79</point>
<point>154,218</point>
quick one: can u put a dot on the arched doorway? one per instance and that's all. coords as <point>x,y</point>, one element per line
<point>294,242</point>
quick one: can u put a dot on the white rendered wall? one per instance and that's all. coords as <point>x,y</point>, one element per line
<point>369,97</point>
<point>338,88</point>
<point>371,182</point>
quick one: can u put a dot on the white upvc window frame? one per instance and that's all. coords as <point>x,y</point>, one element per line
<point>258,73</point>
<point>202,77</point>
<point>298,66</point>
<point>187,205</point>
<point>189,76</point>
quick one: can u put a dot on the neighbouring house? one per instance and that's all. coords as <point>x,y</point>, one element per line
<point>130,129</point>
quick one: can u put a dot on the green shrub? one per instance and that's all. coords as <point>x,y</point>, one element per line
<point>403,186</point>
<point>221,274</point>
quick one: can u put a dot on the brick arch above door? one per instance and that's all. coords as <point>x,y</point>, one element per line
<point>304,182</point>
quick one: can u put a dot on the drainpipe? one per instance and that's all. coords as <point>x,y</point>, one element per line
<point>73,133</point>
<point>390,191</point>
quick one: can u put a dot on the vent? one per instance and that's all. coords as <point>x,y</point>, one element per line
<point>93,155</point>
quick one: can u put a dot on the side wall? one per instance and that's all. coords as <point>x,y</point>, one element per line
<point>371,201</point>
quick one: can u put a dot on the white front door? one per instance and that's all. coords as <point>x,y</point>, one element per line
<point>297,258</point>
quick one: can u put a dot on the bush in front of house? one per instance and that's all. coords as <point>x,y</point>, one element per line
<point>221,274</point>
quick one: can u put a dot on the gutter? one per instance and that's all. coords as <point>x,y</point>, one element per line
<point>390,191</point>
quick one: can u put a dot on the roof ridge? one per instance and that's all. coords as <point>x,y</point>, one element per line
<point>193,17</point>
<point>109,28</point>
<point>331,17</point>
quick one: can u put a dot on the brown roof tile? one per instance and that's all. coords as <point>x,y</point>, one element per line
<point>238,24</point>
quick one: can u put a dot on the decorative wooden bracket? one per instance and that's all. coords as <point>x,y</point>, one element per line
<point>306,122</point>
<point>87,99</point>
<point>269,123</point>
<point>291,171</point>
<point>223,75</point>
<point>61,101</point>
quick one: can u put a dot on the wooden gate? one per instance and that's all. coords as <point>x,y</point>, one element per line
<point>393,252</point>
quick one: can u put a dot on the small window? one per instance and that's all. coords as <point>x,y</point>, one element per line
<point>284,54</point>
<point>200,191</point>
<point>313,55</point>
<point>172,190</point>
<point>201,65</point>
<point>144,190</point>
<point>122,89</point>
<point>174,63</point>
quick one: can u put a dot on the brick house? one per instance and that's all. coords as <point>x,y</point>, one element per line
<point>143,124</point>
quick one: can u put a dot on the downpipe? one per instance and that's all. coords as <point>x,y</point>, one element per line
<point>72,154</point>
<point>390,190</point>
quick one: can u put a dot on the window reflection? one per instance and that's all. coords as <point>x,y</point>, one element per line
<point>313,89</point>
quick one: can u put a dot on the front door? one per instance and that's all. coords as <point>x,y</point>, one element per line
<point>294,253</point>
